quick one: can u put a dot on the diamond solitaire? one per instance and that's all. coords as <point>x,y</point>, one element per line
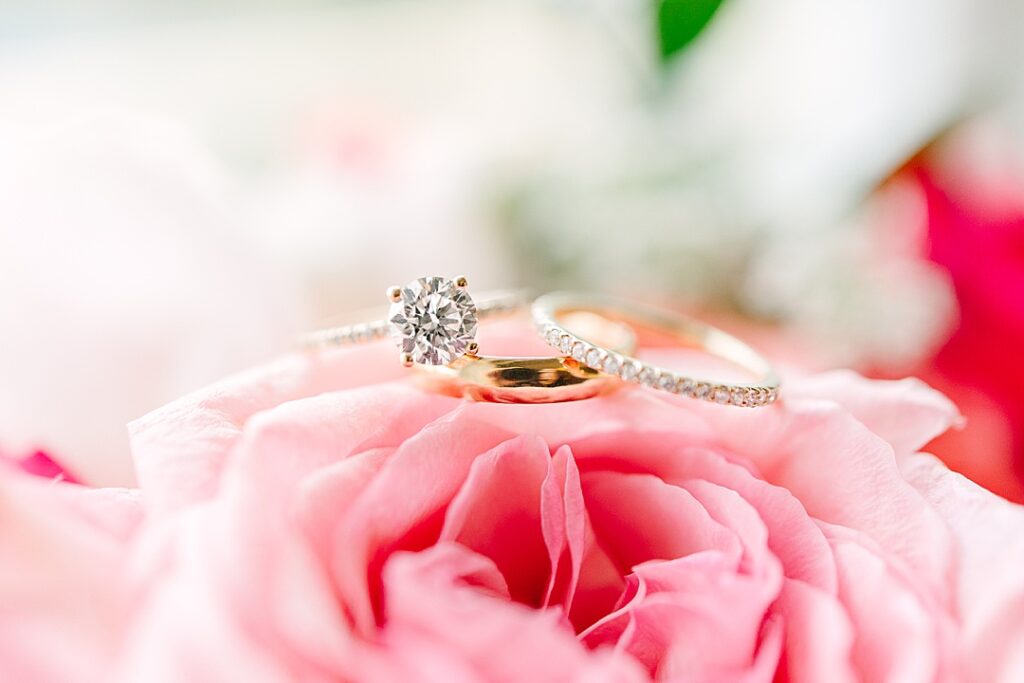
<point>433,320</point>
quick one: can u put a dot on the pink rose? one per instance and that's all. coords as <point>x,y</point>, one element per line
<point>304,521</point>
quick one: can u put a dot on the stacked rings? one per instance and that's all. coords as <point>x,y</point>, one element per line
<point>433,321</point>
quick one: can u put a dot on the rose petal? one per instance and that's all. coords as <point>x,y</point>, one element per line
<point>819,635</point>
<point>638,517</point>
<point>989,533</point>
<point>433,595</point>
<point>497,513</point>
<point>62,577</point>
<point>792,535</point>
<point>564,522</point>
<point>846,475</point>
<point>403,507</point>
<point>695,615</point>
<point>180,449</point>
<point>907,413</point>
<point>897,637</point>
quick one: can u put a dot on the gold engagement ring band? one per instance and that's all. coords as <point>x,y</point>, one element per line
<point>552,317</point>
<point>433,321</point>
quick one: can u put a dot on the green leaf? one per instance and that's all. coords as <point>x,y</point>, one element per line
<point>680,21</point>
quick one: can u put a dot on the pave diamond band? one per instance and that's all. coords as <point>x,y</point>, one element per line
<point>549,312</point>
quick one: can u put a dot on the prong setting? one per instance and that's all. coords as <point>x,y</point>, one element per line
<point>406,359</point>
<point>433,319</point>
<point>461,282</point>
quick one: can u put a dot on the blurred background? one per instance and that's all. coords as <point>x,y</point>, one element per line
<point>184,185</point>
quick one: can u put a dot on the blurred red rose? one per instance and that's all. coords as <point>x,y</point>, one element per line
<point>975,229</point>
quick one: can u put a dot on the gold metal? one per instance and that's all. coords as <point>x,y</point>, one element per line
<point>394,294</point>
<point>406,359</point>
<point>461,282</point>
<point>517,380</point>
<point>472,348</point>
<point>531,380</point>
<point>552,317</point>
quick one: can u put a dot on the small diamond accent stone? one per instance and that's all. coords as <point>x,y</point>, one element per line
<point>629,370</point>
<point>579,351</point>
<point>721,395</point>
<point>593,358</point>
<point>553,336</point>
<point>648,375</point>
<point>702,391</point>
<point>686,386</point>
<point>434,320</point>
<point>565,344</point>
<point>739,396</point>
<point>667,382</point>
<point>611,364</point>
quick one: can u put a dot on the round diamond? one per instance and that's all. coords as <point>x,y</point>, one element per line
<point>565,344</point>
<point>434,321</point>
<point>593,358</point>
<point>579,351</point>
<point>629,370</point>
<point>667,382</point>
<point>611,364</point>
<point>553,336</point>
<point>648,376</point>
<point>686,386</point>
<point>721,395</point>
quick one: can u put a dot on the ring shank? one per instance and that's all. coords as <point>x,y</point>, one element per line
<point>374,325</point>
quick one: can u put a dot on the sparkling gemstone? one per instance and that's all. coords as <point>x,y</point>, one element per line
<point>593,358</point>
<point>611,364</point>
<point>629,370</point>
<point>565,345</point>
<point>721,395</point>
<point>686,386</point>
<point>579,351</point>
<point>553,336</point>
<point>739,396</point>
<point>434,320</point>
<point>702,390</point>
<point>667,382</point>
<point>648,375</point>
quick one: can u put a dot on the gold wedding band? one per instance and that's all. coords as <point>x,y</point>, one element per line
<point>551,313</point>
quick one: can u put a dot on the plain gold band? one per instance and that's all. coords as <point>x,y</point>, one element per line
<point>549,316</point>
<point>531,379</point>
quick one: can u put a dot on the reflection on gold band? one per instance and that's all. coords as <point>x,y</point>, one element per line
<point>517,380</point>
<point>532,379</point>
